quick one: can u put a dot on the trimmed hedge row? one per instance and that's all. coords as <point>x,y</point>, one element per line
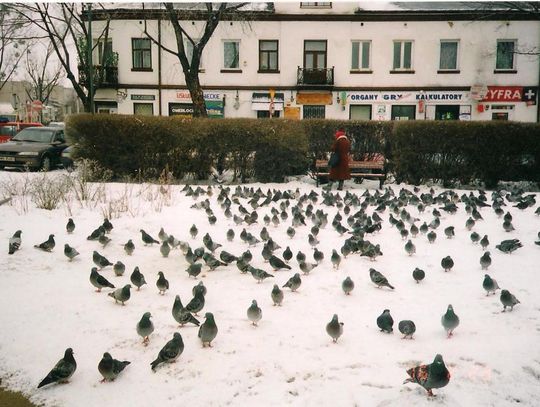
<point>267,150</point>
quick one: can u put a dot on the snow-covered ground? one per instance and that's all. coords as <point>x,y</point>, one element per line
<point>48,305</point>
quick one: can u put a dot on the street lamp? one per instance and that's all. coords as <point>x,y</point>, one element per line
<point>89,60</point>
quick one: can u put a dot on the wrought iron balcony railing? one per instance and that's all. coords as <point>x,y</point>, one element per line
<point>310,76</point>
<point>104,76</point>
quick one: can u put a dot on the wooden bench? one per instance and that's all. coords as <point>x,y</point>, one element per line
<point>359,169</point>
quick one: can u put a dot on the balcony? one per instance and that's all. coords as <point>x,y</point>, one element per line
<point>104,76</point>
<point>315,78</point>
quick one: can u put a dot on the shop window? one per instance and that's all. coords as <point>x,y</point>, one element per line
<point>268,56</point>
<point>141,49</point>
<point>402,55</point>
<point>231,54</point>
<point>499,116</point>
<point>447,112</point>
<point>361,51</point>
<point>265,114</point>
<point>360,112</point>
<point>505,55</point>
<point>314,112</point>
<point>143,109</point>
<point>449,54</point>
<point>403,112</point>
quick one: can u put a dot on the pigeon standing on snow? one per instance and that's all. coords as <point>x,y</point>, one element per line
<point>196,304</point>
<point>379,279</point>
<point>230,235</point>
<point>475,237</point>
<point>450,321</point>
<point>14,242</point>
<point>432,376</point>
<point>194,269</point>
<point>208,330</point>
<point>121,294</point>
<point>449,232</point>
<point>485,260</point>
<point>165,249</point>
<point>347,286</point>
<point>334,328</point>
<point>98,280</point>
<point>277,263</point>
<point>104,240</point>
<point>110,368</point>
<point>182,315</point>
<point>62,371</point>
<point>287,254</point>
<point>70,226</point>
<point>385,322</point>
<point>162,283</point>
<point>410,248</point>
<point>294,282</point>
<point>418,274</point>
<point>107,225</point>
<point>145,327</point>
<point>137,278</point>
<point>407,328</point>
<point>70,252</point>
<point>119,268</point>
<point>147,239</point>
<point>447,263</point>
<point>47,245</point>
<point>335,258</point>
<point>277,295</point>
<point>484,242</point>
<point>489,284</point>
<point>129,247</point>
<point>508,300</point>
<point>199,288</point>
<point>170,351</point>
<point>254,313</point>
<point>431,236</point>
<point>100,261</point>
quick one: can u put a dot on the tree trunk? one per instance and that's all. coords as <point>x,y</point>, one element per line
<point>197,96</point>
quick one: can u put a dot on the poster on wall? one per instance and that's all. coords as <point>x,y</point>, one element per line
<point>213,108</point>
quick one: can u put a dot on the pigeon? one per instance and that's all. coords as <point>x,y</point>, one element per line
<point>385,322</point>
<point>170,352</point>
<point>137,278</point>
<point>62,371</point>
<point>277,295</point>
<point>47,245</point>
<point>508,300</point>
<point>450,321</point>
<point>379,279</point>
<point>431,236</point>
<point>469,223</point>
<point>96,233</point>
<point>194,269</point>
<point>449,232</point>
<point>147,239</point>
<point>98,280</point>
<point>247,256</point>
<point>164,237</point>
<point>410,248</point>
<point>121,294</point>
<point>230,235</point>
<point>277,263</point>
<point>347,286</point>
<point>294,282</point>
<point>227,257</point>
<point>104,240</point>
<point>208,330</point>
<point>70,226</point>
<point>210,244</point>
<point>193,231</point>
<point>110,368</point>
<point>165,249</point>
<point>100,261</point>
<point>418,274</point>
<point>318,256</point>
<point>484,242</point>
<point>258,274</point>
<point>70,252</point>
<point>489,284</point>
<point>475,237</point>
<point>199,288</point>
<point>300,257</point>
<point>181,315</point>
<point>196,304</point>
<point>14,242</point>
<point>119,268</point>
<point>145,327</point>
<point>509,246</point>
<point>107,225</point>
<point>485,260</point>
<point>212,262</point>
<point>254,313</point>
<point>307,267</point>
<point>334,328</point>
<point>129,247</point>
<point>162,283</point>
<point>335,258</point>
<point>287,254</point>
<point>432,376</point>
<point>291,232</point>
<point>447,263</point>
<point>407,328</point>
<point>507,226</point>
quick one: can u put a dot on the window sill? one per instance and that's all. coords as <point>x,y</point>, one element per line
<point>142,70</point>
<point>505,71</point>
<point>450,71</point>
<point>268,71</point>
<point>404,71</point>
<point>231,71</point>
<point>360,71</point>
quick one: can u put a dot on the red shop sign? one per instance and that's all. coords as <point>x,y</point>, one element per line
<point>504,94</point>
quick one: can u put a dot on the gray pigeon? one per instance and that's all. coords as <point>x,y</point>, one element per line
<point>145,327</point>
<point>509,246</point>
<point>194,269</point>
<point>70,226</point>
<point>208,330</point>
<point>254,313</point>
<point>449,232</point>
<point>475,237</point>
<point>291,232</point>
<point>100,261</point>
<point>485,260</point>
<point>47,245</point>
<point>147,239</point>
<point>410,248</point>
<point>294,282</point>
<point>164,237</point>
<point>196,304</point>
<point>450,321</point>
<point>227,257</point>
<point>300,257</point>
<point>334,328</point>
<point>193,231</point>
<point>137,278</point>
<point>484,242</point>
<point>96,233</point>
<point>70,252</point>
<point>508,300</point>
<point>379,279</point>
<point>277,263</point>
<point>307,267</point>
<point>490,284</point>
<point>277,295</point>
<point>199,288</point>
<point>162,283</point>
<point>347,285</point>
<point>447,263</point>
<point>14,242</point>
<point>258,274</point>
<point>62,371</point>
<point>104,240</point>
<point>407,328</point>
<point>287,254</point>
<point>507,226</point>
<point>170,352</point>
<point>110,368</point>
<point>335,258</point>
<point>418,274</point>
<point>182,315</point>
<point>129,247</point>
<point>98,280</point>
<point>107,225</point>
<point>385,322</point>
<point>431,236</point>
<point>121,294</point>
<point>119,268</point>
<point>230,235</point>
<point>432,376</point>
<point>165,249</point>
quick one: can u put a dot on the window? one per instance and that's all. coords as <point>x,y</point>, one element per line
<point>448,58</point>
<point>402,55</point>
<point>231,54</point>
<point>361,55</point>
<point>360,112</point>
<point>143,109</point>
<point>103,52</point>
<point>268,55</point>
<point>499,116</point>
<point>265,114</point>
<point>142,53</point>
<point>315,54</point>
<point>505,55</point>
<point>188,46</point>
<point>314,111</point>
<point>315,4</point>
<point>403,112</point>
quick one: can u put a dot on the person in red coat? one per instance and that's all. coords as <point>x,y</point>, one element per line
<point>341,172</point>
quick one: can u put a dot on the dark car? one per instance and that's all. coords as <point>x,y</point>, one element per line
<point>66,158</point>
<point>34,148</point>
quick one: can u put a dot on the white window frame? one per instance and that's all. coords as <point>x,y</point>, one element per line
<point>514,57</point>
<point>316,4</point>
<point>402,54</point>
<point>457,55</point>
<point>223,53</point>
<point>360,50</point>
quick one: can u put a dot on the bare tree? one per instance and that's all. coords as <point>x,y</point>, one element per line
<point>42,76</point>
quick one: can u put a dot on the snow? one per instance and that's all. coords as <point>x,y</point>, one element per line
<point>288,359</point>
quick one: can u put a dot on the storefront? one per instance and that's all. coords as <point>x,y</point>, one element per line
<point>504,102</point>
<point>314,104</point>
<point>184,105</point>
<point>267,104</point>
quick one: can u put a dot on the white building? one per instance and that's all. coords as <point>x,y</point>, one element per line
<point>333,60</point>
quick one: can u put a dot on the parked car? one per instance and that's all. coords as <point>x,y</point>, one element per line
<point>66,158</point>
<point>57,124</point>
<point>9,129</point>
<point>34,148</point>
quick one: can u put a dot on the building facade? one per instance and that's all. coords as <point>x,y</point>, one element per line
<point>331,60</point>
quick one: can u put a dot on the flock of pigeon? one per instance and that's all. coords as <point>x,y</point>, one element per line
<point>362,215</point>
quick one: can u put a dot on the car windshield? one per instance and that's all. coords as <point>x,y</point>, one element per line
<point>35,135</point>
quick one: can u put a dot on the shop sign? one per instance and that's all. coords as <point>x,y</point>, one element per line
<point>206,95</point>
<point>408,96</point>
<point>213,108</point>
<point>504,94</point>
<point>143,97</point>
<point>436,96</point>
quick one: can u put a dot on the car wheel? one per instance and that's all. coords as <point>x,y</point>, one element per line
<point>46,164</point>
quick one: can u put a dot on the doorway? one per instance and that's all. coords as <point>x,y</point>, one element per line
<point>403,112</point>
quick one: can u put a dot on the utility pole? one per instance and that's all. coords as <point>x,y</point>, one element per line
<point>89,45</point>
